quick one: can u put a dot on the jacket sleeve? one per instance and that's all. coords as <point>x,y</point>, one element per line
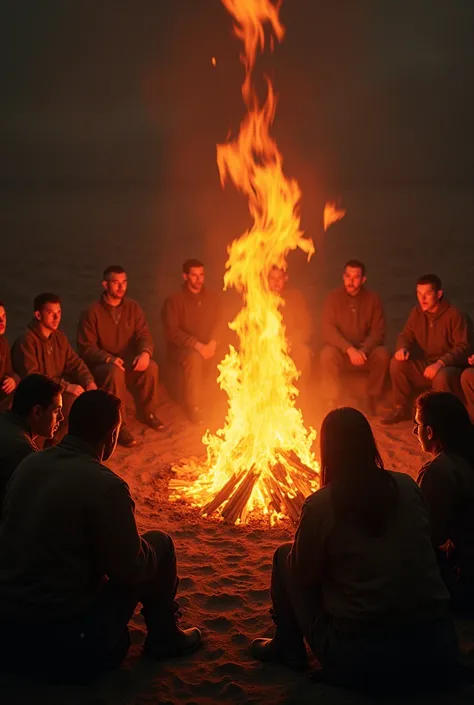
<point>120,552</point>
<point>407,337</point>
<point>376,335</point>
<point>218,327</point>
<point>306,560</point>
<point>172,331</point>
<point>460,342</point>
<point>143,337</point>
<point>438,487</point>
<point>76,369</point>
<point>87,341</point>
<point>330,331</point>
<point>25,356</point>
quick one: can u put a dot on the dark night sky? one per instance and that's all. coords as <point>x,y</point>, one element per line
<point>112,91</point>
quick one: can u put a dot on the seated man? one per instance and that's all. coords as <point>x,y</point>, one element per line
<point>46,350</point>
<point>114,340</point>
<point>467,384</point>
<point>36,411</point>
<point>431,351</point>
<point>72,564</point>
<point>8,379</point>
<point>191,320</point>
<point>353,331</point>
<point>297,321</point>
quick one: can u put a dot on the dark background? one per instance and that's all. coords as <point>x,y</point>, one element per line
<point>110,115</point>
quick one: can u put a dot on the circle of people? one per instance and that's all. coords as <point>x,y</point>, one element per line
<point>380,564</point>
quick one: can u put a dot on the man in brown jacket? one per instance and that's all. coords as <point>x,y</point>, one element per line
<point>114,340</point>
<point>432,349</point>
<point>45,349</point>
<point>191,322</point>
<point>8,379</point>
<point>353,331</point>
<point>297,321</point>
<point>72,564</point>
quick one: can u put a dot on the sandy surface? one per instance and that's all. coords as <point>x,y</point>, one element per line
<point>225,573</point>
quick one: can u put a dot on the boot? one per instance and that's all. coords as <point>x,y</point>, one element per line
<point>165,639</point>
<point>289,651</point>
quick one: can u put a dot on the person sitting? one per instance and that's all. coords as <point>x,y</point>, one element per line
<point>444,430</point>
<point>360,581</point>
<point>45,349</point>
<point>8,379</point>
<point>431,351</point>
<point>36,411</point>
<point>467,385</point>
<point>114,340</point>
<point>72,564</point>
<point>297,322</point>
<point>353,332</point>
<point>191,321</point>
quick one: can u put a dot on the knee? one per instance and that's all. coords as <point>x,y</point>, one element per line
<point>398,367</point>
<point>152,369</point>
<point>467,379</point>
<point>109,371</point>
<point>330,356</point>
<point>380,355</point>
<point>192,362</point>
<point>161,542</point>
<point>282,553</point>
<point>445,378</point>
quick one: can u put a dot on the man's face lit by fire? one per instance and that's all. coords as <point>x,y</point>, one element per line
<point>428,297</point>
<point>353,280</point>
<point>49,316</point>
<point>45,422</point>
<point>423,433</point>
<point>195,279</point>
<point>277,279</point>
<point>115,286</point>
<point>3,320</point>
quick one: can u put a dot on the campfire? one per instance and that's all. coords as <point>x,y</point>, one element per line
<point>261,463</point>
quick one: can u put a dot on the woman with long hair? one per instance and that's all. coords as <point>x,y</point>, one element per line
<point>360,582</point>
<point>444,430</point>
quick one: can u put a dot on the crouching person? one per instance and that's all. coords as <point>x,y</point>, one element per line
<point>360,581</point>
<point>72,564</point>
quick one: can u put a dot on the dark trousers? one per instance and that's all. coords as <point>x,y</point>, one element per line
<point>197,374</point>
<point>467,384</point>
<point>407,377</point>
<point>143,385</point>
<point>334,362</point>
<point>5,401</point>
<point>82,648</point>
<point>359,657</point>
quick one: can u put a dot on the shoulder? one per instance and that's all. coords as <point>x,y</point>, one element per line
<point>319,501</point>
<point>441,468</point>
<point>334,295</point>
<point>91,310</point>
<point>174,298</point>
<point>373,297</point>
<point>132,305</point>
<point>61,339</point>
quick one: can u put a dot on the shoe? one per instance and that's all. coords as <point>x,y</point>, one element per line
<point>181,643</point>
<point>397,415</point>
<point>292,656</point>
<point>153,421</point>
<point>195,415</point>
<point>125,438</point>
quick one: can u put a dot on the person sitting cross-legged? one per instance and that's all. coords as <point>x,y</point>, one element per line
<point>73,566</point>
<point>360,582</point>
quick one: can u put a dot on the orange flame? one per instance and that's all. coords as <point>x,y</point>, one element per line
<point>332,214</point>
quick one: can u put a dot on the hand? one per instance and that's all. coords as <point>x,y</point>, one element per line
<point>357,357</point>
<point>470,359</point>
<point>8,385</point>
<point>432,370</point>
<point>205,350</point>
<point>141,362</point>
<point>212,345</point>
<point>75,389</point>
<point>119,362</point>
<point>91,386</point>
<point>402,354</point>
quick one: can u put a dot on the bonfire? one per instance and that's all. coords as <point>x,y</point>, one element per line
<point>261,462</point>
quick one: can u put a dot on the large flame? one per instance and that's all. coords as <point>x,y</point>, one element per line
<point>263,428</point>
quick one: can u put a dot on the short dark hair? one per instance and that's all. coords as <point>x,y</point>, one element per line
<point>46,298</point>
<point>452,428</point>
<point>187,266</point>
<point>113,269</point>
<point>34,390</point>
<point>355,264</point>
<point>93,415</point>
<point>432,279</point>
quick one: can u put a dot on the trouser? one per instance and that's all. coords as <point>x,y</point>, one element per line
<point>467,384</point>
<point>81,648</point>
<point>196,373</point>
<point>359,657</point>
<point>334,362</point>
<point>5,401</point>
<point>407,376</point>
<point>143,385</point>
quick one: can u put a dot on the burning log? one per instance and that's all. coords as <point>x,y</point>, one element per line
<point>222,495</point>
<point>236,504</point>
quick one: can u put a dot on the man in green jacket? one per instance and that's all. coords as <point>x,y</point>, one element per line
<point>432,349</point>
<point>114,340</point>
<point>45,349</point>
<point>72,564</point>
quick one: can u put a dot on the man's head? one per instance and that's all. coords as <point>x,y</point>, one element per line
<point>429,292</point>
<point>193,275</point>
<point>115,283</point>
<point>38,401</point>
<point>3,318</point>
<point>47,308</point>
<point>354,276</point>
<point>442,424</point>
<point>95,418</point>
<point>277,279</point>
